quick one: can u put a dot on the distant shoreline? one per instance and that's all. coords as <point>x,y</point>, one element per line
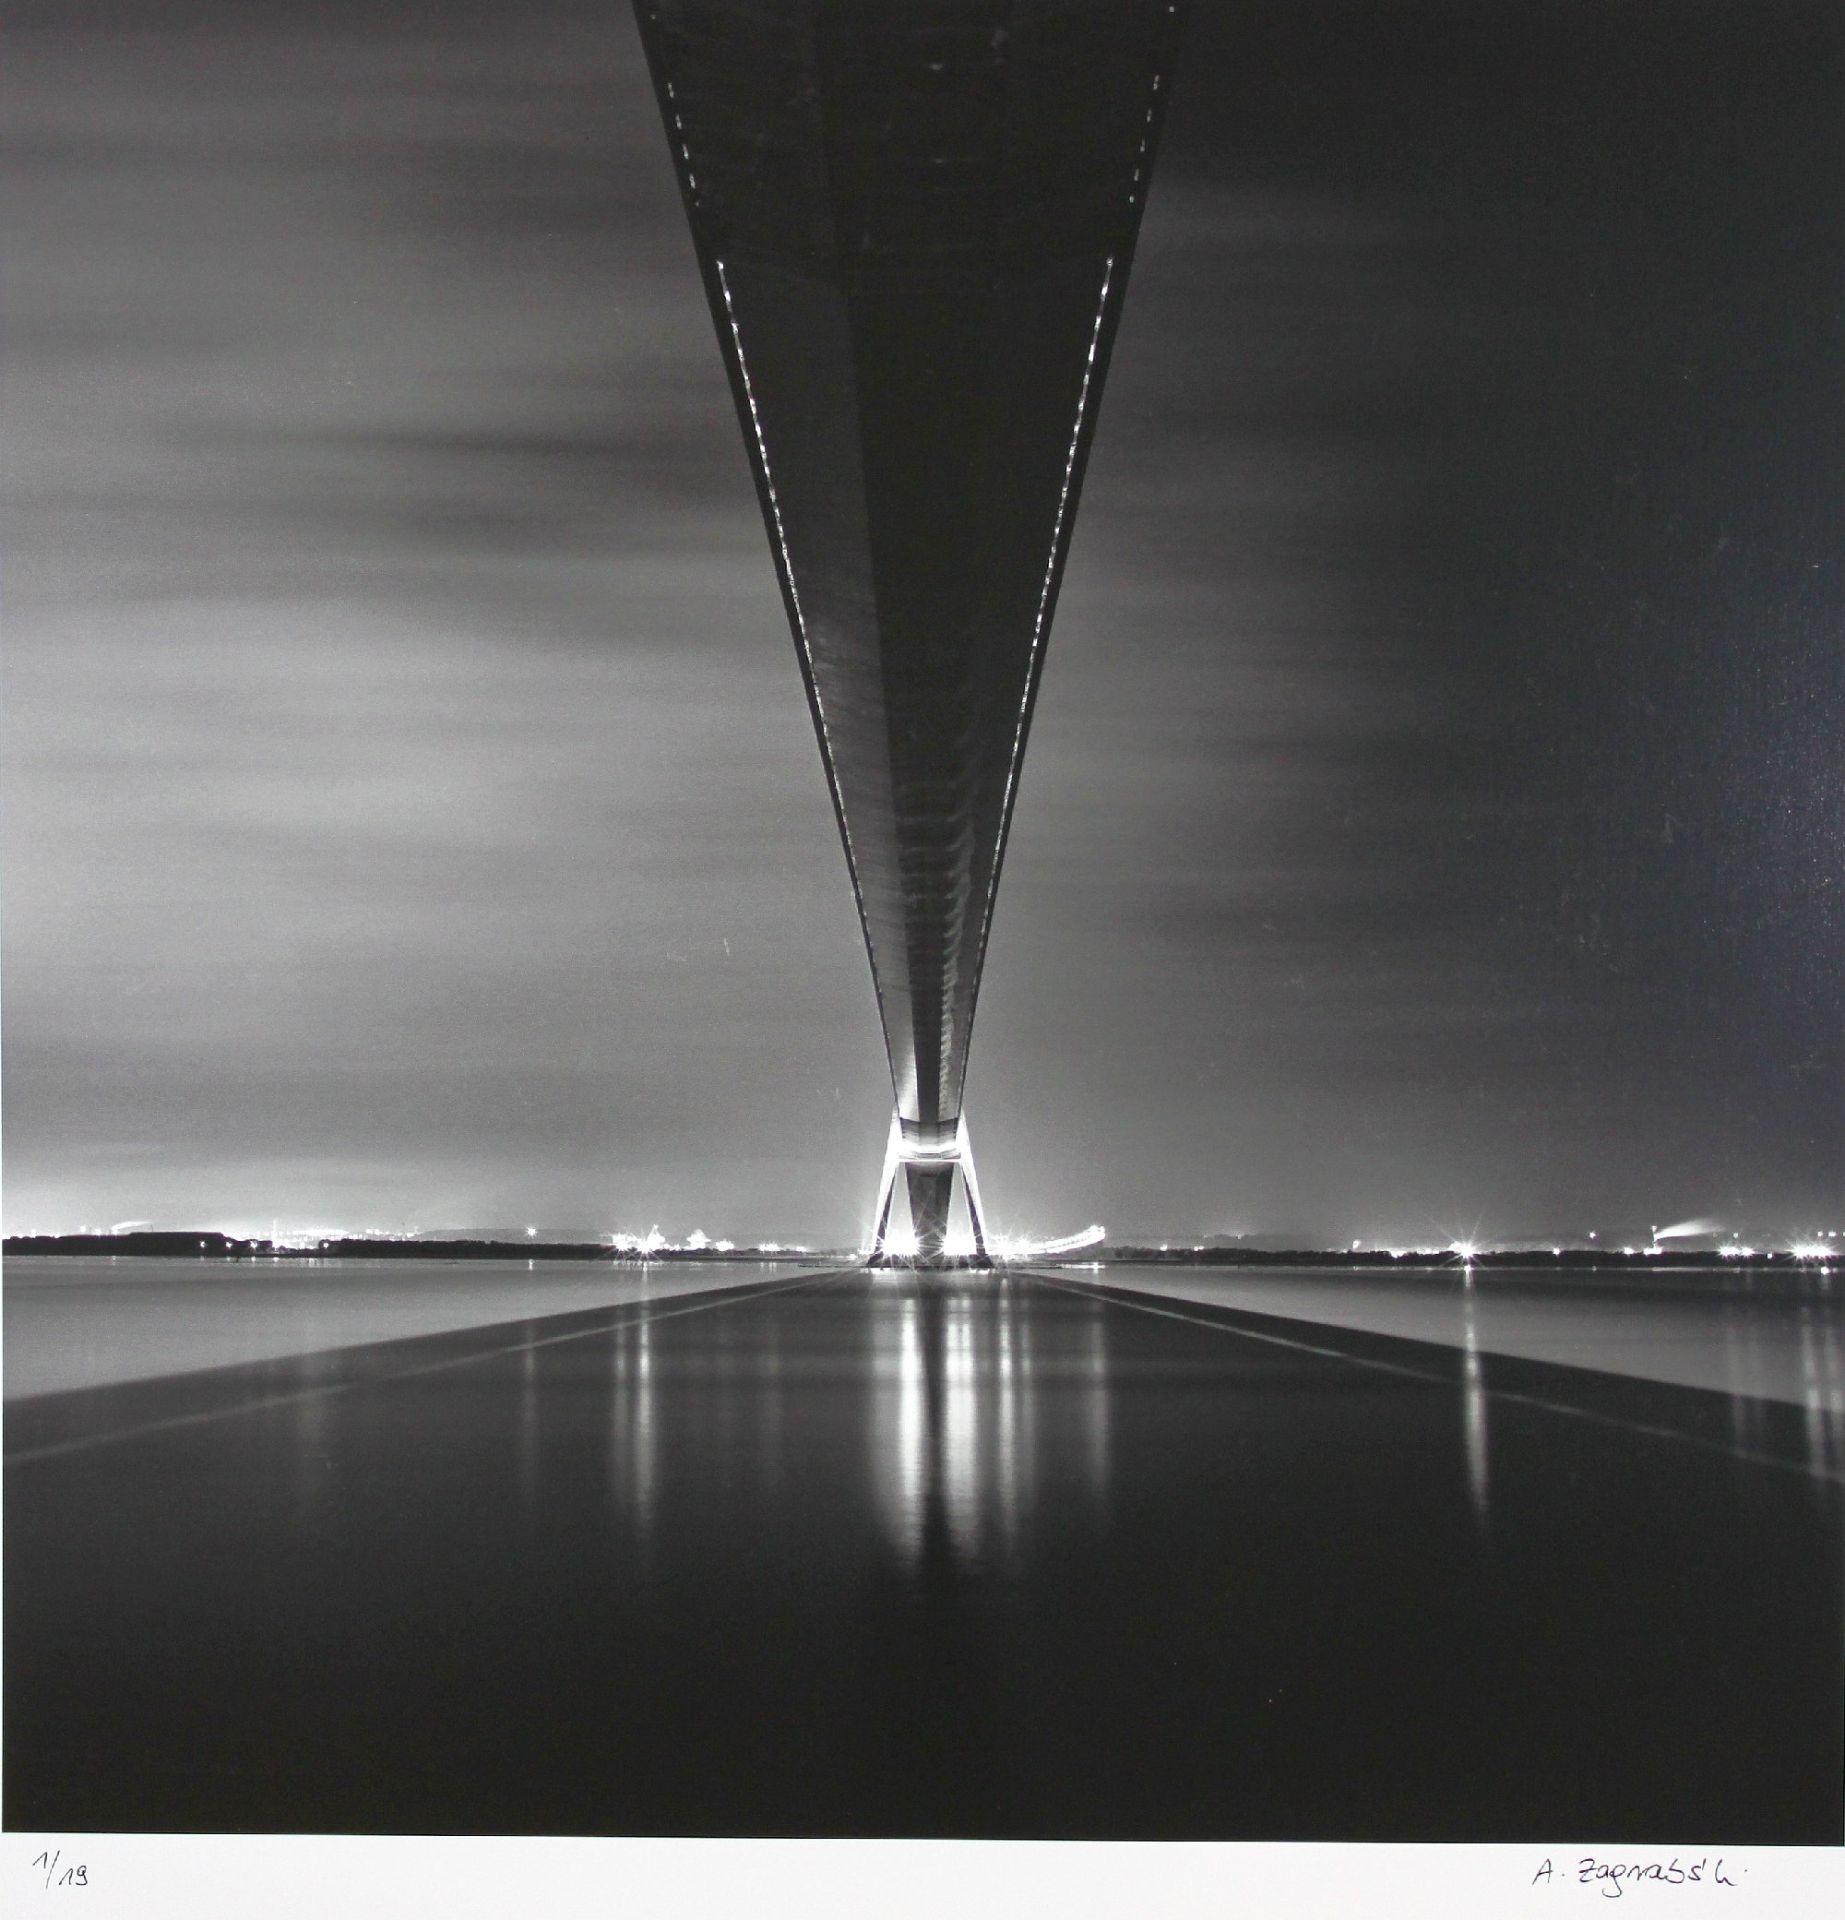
<point>221,1247</point>
<point>218,1246</point>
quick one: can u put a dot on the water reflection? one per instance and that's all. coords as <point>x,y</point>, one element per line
<point>309,1416</point>
<point>1765,1368</point>
<point>1822,1381</point>
<point>1096,1400</point>
<point>527,1419</point>
<point>1473,1405</point>
<point>974,1399</point>
<point>632,1426</point>
<point>766,1452</point>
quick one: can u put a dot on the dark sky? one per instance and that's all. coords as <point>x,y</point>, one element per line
<point>1434,820</point>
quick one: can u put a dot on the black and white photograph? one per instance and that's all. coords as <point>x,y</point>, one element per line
<point>557,553</point>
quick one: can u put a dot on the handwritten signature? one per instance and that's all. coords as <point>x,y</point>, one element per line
<point>1614,1876</point>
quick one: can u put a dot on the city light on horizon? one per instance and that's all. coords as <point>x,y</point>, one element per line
<point>1813,1244</point>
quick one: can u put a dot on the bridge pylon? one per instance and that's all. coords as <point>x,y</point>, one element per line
<point>925,1166</point>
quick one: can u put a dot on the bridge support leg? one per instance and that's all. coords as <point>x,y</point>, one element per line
<point>887,1189</point>
<point>971,1187</point>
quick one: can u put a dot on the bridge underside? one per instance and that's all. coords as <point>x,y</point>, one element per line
<point>915,226</point>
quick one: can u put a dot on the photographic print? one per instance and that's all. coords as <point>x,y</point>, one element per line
<point>559,555</point>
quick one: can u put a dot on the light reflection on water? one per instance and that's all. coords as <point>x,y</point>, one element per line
<point>967,1409</point>
<point>309,1415</point>
<point>1095,1403</point>
<point>1742,1367</point>
<point>527,1421</point>
<point>632,1426</point>
<point>1473,1406</point>
<point>971,1412</point>
<point>1765,1340</point>
<point>1822,1369</point>
<point>909,1544</point>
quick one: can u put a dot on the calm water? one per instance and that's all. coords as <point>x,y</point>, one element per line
<point>972,1556</point>
<point>80,1322</point>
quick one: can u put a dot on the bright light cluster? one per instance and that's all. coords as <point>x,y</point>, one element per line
<point>697,1241</point>
<point>901,1243</point>
<point>1090,1236</point>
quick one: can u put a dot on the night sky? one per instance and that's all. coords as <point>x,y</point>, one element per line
<point>1433,823</point>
